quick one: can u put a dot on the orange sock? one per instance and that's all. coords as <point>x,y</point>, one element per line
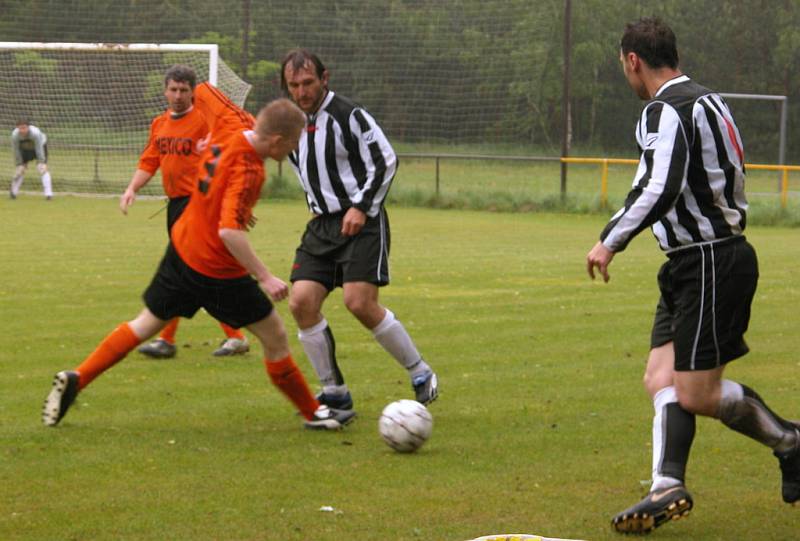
<point>111,350</point>
<point>230,332</point>
<point>168,332</point>
<point>287,377</point>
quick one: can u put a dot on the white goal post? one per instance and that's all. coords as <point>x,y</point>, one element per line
<point>211,48</point>
<point>784,101</point>
<point>95,102</point>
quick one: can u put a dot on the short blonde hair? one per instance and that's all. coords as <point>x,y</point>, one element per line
<point>280,117</point>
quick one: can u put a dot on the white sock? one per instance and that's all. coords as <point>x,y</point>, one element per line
<point>47,183</point>
<point>16,184</point>
<point>663,397</point>
<point>730,392</point>
<point>320,348</point>
<point>394,338</point>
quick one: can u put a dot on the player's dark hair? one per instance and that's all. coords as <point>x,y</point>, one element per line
<point>299,58</point>
<point>653,41</point>
<point>22,120</point>
<point>180,74</point>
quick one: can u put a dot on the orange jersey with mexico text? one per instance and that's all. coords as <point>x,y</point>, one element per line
<point>175,146</point>
<point>223,199</point>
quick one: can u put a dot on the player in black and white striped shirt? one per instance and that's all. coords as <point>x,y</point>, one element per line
<point>689,189</point>
<point>345,165</point>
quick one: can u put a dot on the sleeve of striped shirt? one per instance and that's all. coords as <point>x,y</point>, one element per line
<point>379,159</point>
<point>15,147</point>
<point>660,177</point>
<point>39,139</point>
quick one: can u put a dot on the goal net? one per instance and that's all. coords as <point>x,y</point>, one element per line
<point>95,103</point>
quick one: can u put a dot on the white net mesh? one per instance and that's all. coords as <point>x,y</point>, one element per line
<point>95,105</point>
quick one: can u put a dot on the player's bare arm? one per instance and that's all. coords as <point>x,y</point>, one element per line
<point>239,246</point>
<point>140,178</point>
<point>599,256</point>
<point>353,221</point>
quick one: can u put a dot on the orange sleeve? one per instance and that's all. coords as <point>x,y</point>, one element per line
<point>221,113</point>
<point>241,193</point>
<point>150,160</point>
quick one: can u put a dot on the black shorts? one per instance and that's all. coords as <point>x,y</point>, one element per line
<point>706,293</point>
<point>178,290</point>
<point>29,154</point>
<point>331,259</point>
<point>175,208</point>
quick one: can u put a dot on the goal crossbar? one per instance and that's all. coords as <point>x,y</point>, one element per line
<point>211,48</point>
<point>96,103</point>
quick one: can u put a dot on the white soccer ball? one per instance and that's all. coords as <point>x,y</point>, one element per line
<point>405,425</point>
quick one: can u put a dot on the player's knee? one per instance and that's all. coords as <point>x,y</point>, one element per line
<point>295,305</point>
<point>697,404</point>
<point>649,384</point>
<point>358,305</point>
<point>302,309</point>
<point>42,168</point>
<point>19,171</point>
<point>655,380</point>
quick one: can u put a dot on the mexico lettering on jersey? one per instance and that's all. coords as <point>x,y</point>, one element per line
<point>175,146</point>
<point>689,186</point>
<point>223,199</point>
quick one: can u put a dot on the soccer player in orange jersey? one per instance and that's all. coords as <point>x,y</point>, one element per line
<point>175,145</point>
<point>211,264</point>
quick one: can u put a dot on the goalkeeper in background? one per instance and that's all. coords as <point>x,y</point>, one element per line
<point>29,143</point>
<point>177,138</point>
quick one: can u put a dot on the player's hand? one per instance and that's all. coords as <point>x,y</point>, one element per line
<point>274,287</point>
<point>353,221</point>
<point>126,200</point>
<point>599,257</point>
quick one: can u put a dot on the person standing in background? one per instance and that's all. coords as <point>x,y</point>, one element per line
<point>29,143</point>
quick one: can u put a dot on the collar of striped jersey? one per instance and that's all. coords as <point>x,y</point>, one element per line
<point>677,80</point>
<point>312,118</point>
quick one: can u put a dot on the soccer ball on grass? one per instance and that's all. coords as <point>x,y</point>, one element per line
<point>405,425</point>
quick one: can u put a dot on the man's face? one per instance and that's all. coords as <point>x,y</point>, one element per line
<point>23,130</point>
<point>306,89</point>
<point>631,63</point>
<point>179,96</point>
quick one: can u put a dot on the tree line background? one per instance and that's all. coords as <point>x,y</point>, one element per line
<point>477,75</point>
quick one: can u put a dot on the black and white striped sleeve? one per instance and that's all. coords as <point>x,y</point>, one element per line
<point>379,158</point>
<point>660,177</point>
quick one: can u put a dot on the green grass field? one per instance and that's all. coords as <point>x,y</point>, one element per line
<point>541,426</point>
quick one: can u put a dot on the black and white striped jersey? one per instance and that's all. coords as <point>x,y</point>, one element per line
<point>689,185</point>
<point>344,159</point>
